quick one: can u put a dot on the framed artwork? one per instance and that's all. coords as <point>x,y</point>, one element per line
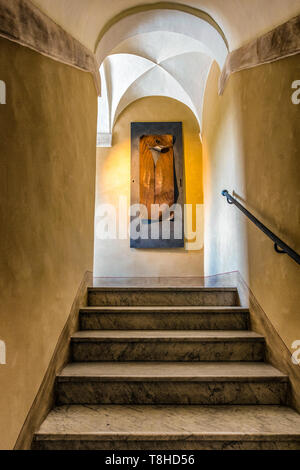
<point>157,194</point>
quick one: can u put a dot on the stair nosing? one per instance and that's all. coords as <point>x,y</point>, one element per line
<point>68,376</point>
<point>220,337</point>
<point>190,379</point>
<point>155,309</point>
<point>187,436</point>
<point>162,289</point>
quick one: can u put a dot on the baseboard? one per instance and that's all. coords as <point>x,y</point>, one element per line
<point>44,399</point>
<point>277,352</point>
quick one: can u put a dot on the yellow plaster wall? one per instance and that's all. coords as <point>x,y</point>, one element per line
<point>47,174</point>
<point>251,145</point>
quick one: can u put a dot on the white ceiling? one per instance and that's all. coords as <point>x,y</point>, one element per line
<point>162,52</point>
<point>127,77</point>
<point>156,53</point>
<point>150,45</point>
<point>191,28</point>
<point>240,20</point>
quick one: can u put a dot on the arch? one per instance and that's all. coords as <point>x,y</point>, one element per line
<point>162,6</point>
<point>159,50</point>
<point>170,20</point>
<point>148,88</point>
<point>148,96</point>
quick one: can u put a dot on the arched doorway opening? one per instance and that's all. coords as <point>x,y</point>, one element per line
<point>152,58</point>
<point>158,52</point>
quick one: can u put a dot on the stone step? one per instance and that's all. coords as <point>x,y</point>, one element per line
<point>166,345</point>
<point>164,318</point>
<point>171,383</point>
<point>161,296</point>
<point>174,427</point>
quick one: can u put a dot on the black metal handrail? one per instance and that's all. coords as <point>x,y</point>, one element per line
<point>279,246</point>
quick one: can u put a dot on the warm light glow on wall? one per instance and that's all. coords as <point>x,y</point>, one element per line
<point>113,182</point>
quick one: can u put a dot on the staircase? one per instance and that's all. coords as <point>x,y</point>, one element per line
<point>168,368</point>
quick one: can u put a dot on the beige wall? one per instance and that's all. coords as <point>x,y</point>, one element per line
<point>47,171</point>
<point>114,258</point>
<point>251,144</point>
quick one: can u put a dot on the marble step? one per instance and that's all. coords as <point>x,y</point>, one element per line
<point>204,383</point>
<point>172,345</point>
<point>164,318</point>
<point>138,427</point>
<point>161,296</point>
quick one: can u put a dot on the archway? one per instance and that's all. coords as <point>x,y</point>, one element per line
<point>158,52</point>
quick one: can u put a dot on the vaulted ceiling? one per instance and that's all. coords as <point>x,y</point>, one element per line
<point>241,20</point>
<point>156,53</point>
<point>161,48</point>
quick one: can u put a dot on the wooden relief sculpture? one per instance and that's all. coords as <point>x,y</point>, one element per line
<point>156,182</point>
<point>156,171</point>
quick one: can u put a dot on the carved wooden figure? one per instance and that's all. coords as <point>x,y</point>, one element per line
<point>156,171</point>
<point>157,192</point>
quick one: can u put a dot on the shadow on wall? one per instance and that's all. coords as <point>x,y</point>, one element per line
<point>225,236</point>
<point>250,146</point>
<point>47,208</point>
<point>272,171</point>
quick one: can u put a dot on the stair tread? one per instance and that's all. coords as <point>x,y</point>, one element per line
<point>164,309</point>
<point>162,289</point>
<point>174,371</point>
<point>166,335</point>
<point>172,421</point>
